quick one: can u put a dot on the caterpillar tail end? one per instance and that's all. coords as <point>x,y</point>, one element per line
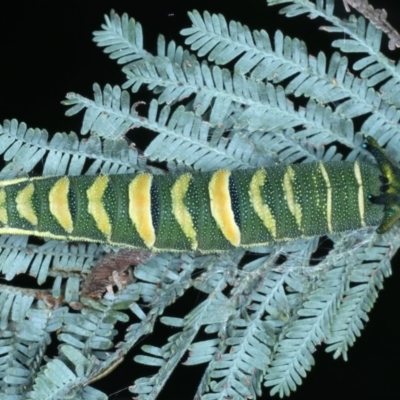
<point>390,189</point>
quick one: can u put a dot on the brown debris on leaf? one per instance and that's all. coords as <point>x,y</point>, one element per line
<point>377,18</point>
<point>112,270</point>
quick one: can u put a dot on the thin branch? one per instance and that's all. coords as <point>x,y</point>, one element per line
<point>38,294</point>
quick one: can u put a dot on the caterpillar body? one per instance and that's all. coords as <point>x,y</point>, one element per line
<point>206,212</point>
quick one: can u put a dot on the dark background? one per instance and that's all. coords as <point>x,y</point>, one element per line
<point>47,51</point>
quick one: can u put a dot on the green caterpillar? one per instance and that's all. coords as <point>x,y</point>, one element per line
<point>206,212</point>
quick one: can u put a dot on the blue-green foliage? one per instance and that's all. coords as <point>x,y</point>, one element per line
<point>262,321</point>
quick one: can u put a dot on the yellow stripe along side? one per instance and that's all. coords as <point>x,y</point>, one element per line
<point>59,205</point>
<point>262,209</point>
<point>221,207</point>
<point>179,209</point>
<point>294,207</point>
<point>3,207</point>
<point>328,195</point>
<point>24,204</point>
<point>361,204</point>
<point>96,205</point>
<point>140,208</point>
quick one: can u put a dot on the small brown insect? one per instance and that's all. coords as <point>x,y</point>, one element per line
<point>112,270</point>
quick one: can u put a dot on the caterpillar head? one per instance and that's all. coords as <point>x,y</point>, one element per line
<point>390,189</point>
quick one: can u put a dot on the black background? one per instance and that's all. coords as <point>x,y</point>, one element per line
<point>47,51</point>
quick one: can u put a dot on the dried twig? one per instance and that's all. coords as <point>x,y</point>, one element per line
<point>377,18</point>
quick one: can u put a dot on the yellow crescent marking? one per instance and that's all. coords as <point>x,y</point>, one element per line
<point>221,207</point>
<point>328,195</point>
<point>95,204</point>
<point>179,209</point>
<point>140,208</point>
<point>361,204</point>
<point>3,207</point>
<point>59,207</point>
<point>24,204</point>
<point>261,209</point>
<point>295,208</point>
